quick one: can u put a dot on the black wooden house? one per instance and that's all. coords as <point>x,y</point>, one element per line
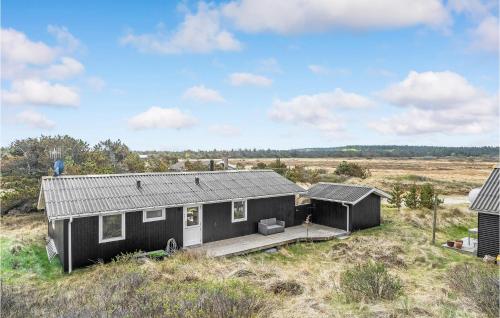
<point>487,206</point>
<point>97,217</point>
<point>343,206</point>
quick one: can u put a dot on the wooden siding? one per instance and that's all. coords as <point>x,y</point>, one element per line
<point>59,234</point>
<point>139,235</point>
<point>366,213</point>
<point>217,223</point>
<point>301,213</point>
<point>329,213</point>
<point>488,235</point>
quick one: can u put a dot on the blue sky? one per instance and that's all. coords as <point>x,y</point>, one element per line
<point>244,74</point>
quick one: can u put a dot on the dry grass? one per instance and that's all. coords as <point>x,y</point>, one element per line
<point>301,280</point>
<point>451,176</point>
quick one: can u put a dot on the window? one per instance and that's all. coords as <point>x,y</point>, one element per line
<point>111,227</point>
<point>192,216</point>
<point>153,215</point>
<point>239,211</point>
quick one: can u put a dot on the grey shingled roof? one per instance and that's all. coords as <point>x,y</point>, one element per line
<point>342,192</point>
<point>487,199</point>
<point>66,196</point>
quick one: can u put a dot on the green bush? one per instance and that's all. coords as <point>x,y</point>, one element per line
<point>370,281</point>
<point>352,169</point>
<point>479,285</point>
<point>427,193</point>
<point>412,198</point>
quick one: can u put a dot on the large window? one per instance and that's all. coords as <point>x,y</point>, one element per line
<point>111,227</point>
<point>239,211</point>
<point>153,215</point>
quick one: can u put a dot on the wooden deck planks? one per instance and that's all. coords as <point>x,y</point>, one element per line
<point>255,242</point>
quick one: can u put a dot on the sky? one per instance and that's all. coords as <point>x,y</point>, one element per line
<point>161,75</point>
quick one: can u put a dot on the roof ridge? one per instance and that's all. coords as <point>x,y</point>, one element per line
<point>152,174</point>
<point>348,185</point>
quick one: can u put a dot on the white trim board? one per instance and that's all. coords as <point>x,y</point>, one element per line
<point>160,218</point>
<point>232,211</point>
<point>119,238</point>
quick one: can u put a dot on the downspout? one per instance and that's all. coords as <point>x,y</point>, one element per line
<point>347,216</point>
<point>70,256</point>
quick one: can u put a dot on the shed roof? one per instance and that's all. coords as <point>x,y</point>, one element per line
<point>82,195</point>
<point>346,193</point>
<point>488,198</point>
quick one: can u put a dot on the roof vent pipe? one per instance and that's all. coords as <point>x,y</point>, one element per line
<point>138,183</point>
<point>197,180</point>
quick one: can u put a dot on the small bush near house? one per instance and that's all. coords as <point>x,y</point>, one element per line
<point>370,281</point>
<point>479,285</point>
<point>352,169</point>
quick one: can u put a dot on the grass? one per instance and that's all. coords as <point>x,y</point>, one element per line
<point>19,260</point>
<point>299,280</point>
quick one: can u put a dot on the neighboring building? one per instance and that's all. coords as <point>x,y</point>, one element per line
<point>343,206</point>
<point>487,206</point>
<point>97,217</point>
<point>144,157</point>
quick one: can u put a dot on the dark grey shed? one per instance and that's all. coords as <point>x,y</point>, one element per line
<point>343,206</point>
<point>487,206</point>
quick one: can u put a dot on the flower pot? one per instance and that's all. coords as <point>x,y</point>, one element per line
<point>458,244</point>
<point>450,243</point>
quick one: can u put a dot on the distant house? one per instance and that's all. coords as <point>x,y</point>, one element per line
<point>97,217</point>
<point>344,206</point>
<point>221,165</point>
<point>487,206</point>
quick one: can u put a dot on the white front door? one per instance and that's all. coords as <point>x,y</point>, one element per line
<point>192,225</point>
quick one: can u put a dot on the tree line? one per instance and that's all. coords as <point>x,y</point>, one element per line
<point>340,152</point>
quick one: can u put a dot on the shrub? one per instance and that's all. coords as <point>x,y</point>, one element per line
<point>479,285</point>
<point>370,281</point>
<point>427,193</point>
<point>411,198</point>
<point>287,287</point>
<point>396,195</point>
<point>352,169</point>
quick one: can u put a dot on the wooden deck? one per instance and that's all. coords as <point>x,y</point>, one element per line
<point>256,242</point>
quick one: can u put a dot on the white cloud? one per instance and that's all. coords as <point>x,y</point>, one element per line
<point>18,49</point>
<point>157,117</point>
<point>316,111</point>
<point>198,33</point>
<point>39,92</point>
<point>269,65</point>
<point>28,65</point>
<point>96,83</point>
<point>203,94</point>
<point>34,119</point>
<point>438,102</point>
<point>68,68</point>
<point>430,90</point>
<point>296,16</point>
<point>225,130</point>
<point>319,69</point>
<point>240,79</point>
<point>485,37</point>
<point>67,41</point>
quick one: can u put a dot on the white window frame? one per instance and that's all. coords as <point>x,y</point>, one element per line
<point>232,211</point>
<point>122,237</point>
<point>160,218</point>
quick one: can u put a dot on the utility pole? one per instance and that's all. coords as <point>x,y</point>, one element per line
<point>434,219</point>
